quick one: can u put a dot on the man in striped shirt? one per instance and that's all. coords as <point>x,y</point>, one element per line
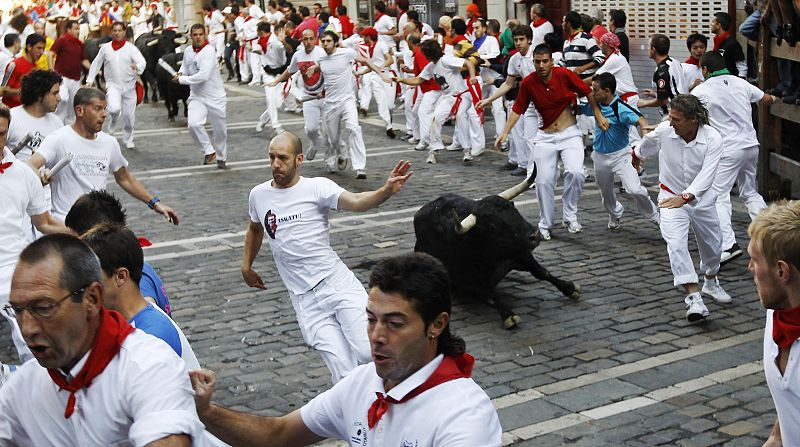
<point>582,55</point>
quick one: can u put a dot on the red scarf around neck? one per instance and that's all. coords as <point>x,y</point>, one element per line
<point>785,326</point>
<point>451,368</point>
<point>458,39</point>
<point>4,166</point>
<point>112,331</point>
<point>378,17</point>
<point>262,42</point>
<point>692,60</point>
<point>200,48</point>
<point>539,22</point>
<point>719,39</point>
<point>117,45</point>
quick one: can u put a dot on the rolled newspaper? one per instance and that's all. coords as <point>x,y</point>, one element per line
<point>7,73</point>
<point>167,67</point>
<point>65,160</point>
<point>22,143</point>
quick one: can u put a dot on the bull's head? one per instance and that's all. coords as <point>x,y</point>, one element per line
<point>465,225</point>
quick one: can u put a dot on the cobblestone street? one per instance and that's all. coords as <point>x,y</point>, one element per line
<point>621,367</point>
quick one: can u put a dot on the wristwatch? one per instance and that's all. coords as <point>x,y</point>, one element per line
<point>152,203</point>
<point>687,197</point>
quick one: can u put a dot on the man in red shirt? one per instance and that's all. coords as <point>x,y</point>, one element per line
<point>552,90</point>
<point>309,22</point>
<point>347,24</point>
<point>34,47</point>
<point>70,59</point>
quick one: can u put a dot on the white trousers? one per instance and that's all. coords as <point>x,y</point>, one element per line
<point>244,62</point>
<point>122,102</point>
<point>273,96</point>
<point>218,42</point>
<point>675,224</point>
<point>255,66</point>
<point>333,320</point>
<point>618,163</point>
<point>345,112</point>
<point>517,146</point>
<point>24,353</point>
<point>409,106</point>
<point>567,143</point>
<point>372,85</point>
<point>498,111</point>
<point>530,129</point>
<point>65,109</point>
<point>461,134</point>
<point>736,166</point>
<point>201,110</point>
<point>424,108</point>
<point>312,113</point>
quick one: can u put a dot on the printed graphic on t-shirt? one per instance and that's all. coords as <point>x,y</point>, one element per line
<point>442,82</point>
<point>90,165</point>
<point>271,223</point>
<point>313,81</point>
<point>358,434</point>
<point>36,140</point>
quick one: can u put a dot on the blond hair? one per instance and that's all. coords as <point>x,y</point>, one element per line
<point>776,232</point>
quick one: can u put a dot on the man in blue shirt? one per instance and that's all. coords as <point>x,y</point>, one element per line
<point>611,156</point>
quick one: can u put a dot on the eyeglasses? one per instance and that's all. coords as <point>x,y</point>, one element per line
<point>42,311</point>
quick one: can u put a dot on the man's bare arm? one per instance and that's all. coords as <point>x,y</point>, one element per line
<point>172,441</point>
<point>362,201</point>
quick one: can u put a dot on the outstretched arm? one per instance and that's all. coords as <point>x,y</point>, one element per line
<point>252,245</point>
<point>134,187</point>
<point>363,201</point>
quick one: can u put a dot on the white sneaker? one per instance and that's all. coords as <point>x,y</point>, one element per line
<point>453,147</point>
<point>479,151</point>
<point>361,174</point>
<point>712,288</point>
<point>573,227</point>
<point>695,308</point>
<point>130,145</point>
<point>613,223</point>
<point>259,126</point>
<point>421,146</point>
<point>545,234</point>
<point>467,156</point>
<point>431,158</point>
<point>311,153</point>
<point>412,140</point>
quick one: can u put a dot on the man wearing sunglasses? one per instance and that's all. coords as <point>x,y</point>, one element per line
<point>97,380</point>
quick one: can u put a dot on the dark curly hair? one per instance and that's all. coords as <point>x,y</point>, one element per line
<point>36,84</point>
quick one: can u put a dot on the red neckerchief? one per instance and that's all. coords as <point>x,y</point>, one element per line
<point>572,36</point>
<point>117,45</point>
<point>248,18</point>
<point>785,326</point>
<point>107,342</point>
<point>539,22</point>
<point>458,39</point>
<point>144,242</point>
<point>209,14</point>
<point>4,166</point>
<point>200,48</point>
<point>378,17</point>
<point>262,42</point>
<point>692,60</point>
<point>451,368</point>
<point>719,39</point>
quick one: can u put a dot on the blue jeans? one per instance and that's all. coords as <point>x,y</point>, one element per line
<point>751,26</point>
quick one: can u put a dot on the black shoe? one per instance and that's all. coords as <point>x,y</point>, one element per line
<point>519,172</point>
<point>730,254</point>
<point>789,35</point>
<point>779,92</point>
<point>508,166</point>
<point>230,76</point>
<point>791,99</point>
<point>221,164</point>
<point>390,133</point>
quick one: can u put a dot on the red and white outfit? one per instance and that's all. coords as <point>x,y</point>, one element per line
<point>116,61</point>
<point>373,85</point>
<point>521,147</point>
<point>330,302</point>
<point>340,106</point>
<point>540,28</point>
<point>22,196</point>
<point>241,53</point>
<point>784,388</point>
<point>489,48</point>
<point>383,24</point>
<point>728,100</point>
<point>313,110</point>
<point>551,99</point>
<point>207,100</point>
<point>216,30</point>
<point>455,412</point>
<point>271,56</point>
<point>428,94</point>
<point>687,168</point>
<point>250,33</point>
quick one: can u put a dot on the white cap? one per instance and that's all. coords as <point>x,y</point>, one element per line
<point>227,10</point>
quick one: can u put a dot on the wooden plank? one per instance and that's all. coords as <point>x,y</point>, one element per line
<point>789,112</point>
<point>769,126</point>
<point>785,167</point>
<point>784,51</point>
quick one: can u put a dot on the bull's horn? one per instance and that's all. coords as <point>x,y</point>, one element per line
<point>519,188</point>
<point>180,40</point>
<point>152,43</point>
<point>464,225</point>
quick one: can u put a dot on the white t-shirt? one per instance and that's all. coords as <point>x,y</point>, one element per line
<point>92,161</point>
<point>296,222</point>
<point>539,32</point>
<point>447,72</point>
<point>335,24</point>
<point>21,194</point>
<point>275,54</point>
<point>379,52</point>
<point>143,395</point>
<point>22,124</point>
<point>200,72</point>
<point>384,25</point>
<point>521,66</point>
<point>728,99</point>
<point>785,389</point>
<point>302,61</point>
<point>274,17</point>
<point>337,73</point>
<point>617,65</point>
<point>490,48</point>
<point>691,73</point>
<point>116,65</point>
<point>457,413</point>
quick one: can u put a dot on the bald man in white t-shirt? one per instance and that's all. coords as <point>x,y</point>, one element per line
<point>294,212</point>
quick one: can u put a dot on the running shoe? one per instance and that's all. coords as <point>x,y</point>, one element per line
<point>712,288</point>
<point>696,310</point>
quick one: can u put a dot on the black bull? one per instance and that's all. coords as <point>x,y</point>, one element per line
<point>154,45</point>
<point>170,91</point>
<point>500,241</point>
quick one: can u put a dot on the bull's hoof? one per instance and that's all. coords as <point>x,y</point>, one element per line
<point>576,294</point>
<point>512,321</point>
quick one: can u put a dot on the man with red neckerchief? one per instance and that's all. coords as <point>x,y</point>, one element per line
<point>97,380</point>
<point>417,391</point>
<point>775,262</point>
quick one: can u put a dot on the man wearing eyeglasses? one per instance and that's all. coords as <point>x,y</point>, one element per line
<point>22,195</point>
<point>97,380</point>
